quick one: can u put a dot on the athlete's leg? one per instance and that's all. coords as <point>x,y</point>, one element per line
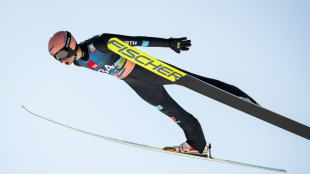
<point>224,86</point>
<point>157,96</point>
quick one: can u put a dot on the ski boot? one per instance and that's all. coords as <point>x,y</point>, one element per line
<point>186,148</point>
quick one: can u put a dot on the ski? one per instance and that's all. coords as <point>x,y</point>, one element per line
<point>181,78</point>
<point>209,158</point>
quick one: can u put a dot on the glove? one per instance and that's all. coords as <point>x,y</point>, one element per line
<point>179,44</point>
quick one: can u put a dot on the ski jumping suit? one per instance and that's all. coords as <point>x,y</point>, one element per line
<point>149,86</point>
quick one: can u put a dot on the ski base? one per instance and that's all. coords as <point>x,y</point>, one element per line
<point>207,157</point>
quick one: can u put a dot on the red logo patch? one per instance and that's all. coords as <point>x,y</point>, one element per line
<point>92,65</point>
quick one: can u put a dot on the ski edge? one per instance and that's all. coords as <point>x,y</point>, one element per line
<point>156,148</point>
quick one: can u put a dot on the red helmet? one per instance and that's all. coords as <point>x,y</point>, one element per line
<point>62,45</point>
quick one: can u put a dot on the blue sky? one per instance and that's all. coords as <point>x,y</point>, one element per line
<point>262,47</point>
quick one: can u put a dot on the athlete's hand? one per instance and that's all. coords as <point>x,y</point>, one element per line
<point>179,44</point>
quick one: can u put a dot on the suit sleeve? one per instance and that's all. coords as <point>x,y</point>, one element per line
<point>101,42</point>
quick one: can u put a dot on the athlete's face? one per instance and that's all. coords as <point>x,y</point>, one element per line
<point>68,61</point>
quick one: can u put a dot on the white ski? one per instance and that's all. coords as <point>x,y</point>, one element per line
<point>158,149</point>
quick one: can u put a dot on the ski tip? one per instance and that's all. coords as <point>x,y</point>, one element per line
<point>24,107</point>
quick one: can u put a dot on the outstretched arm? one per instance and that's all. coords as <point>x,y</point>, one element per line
<point>176,44</point>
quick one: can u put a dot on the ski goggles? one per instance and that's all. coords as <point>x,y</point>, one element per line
<point>66,51</point>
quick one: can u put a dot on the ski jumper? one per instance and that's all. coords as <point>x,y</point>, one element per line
<point>149,86</point>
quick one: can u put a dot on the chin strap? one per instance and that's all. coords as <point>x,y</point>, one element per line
<point>76,50</point>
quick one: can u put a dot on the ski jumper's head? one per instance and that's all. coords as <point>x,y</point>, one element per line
<point>62,45</point>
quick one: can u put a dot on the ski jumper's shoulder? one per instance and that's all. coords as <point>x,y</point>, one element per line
<point>97,56</point>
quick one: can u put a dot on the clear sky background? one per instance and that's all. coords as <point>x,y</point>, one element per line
<point>262,47</point>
